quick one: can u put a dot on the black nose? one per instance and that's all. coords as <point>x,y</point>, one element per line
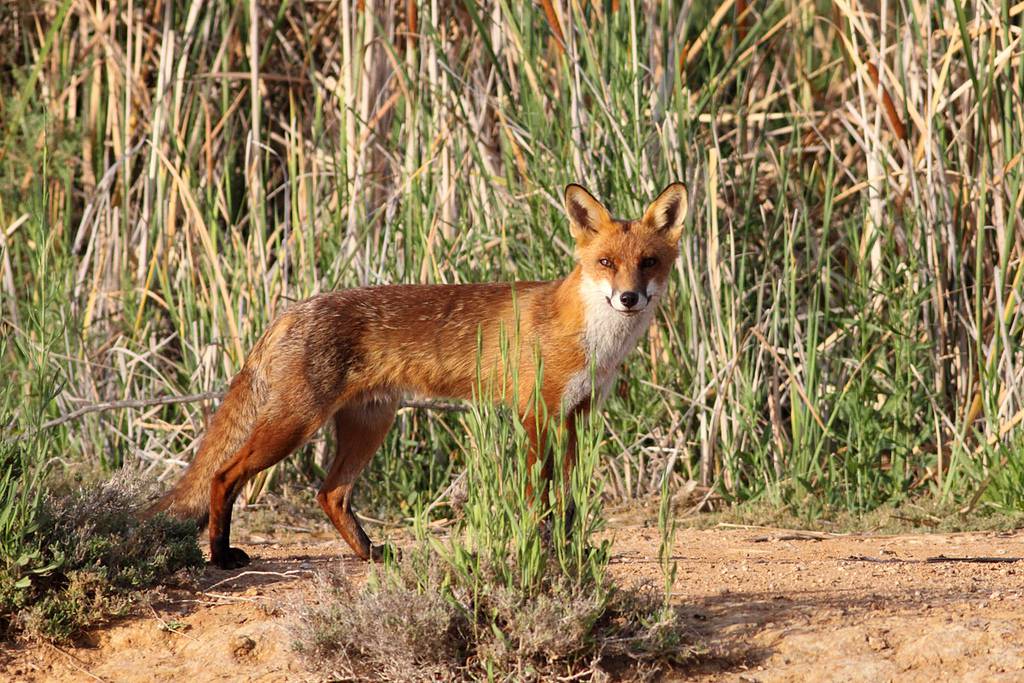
<point>629,299</point>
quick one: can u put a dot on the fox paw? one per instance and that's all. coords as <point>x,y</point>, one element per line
<point>378,553</point>
<point>232,558</point>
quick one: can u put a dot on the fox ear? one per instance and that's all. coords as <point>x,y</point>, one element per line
<point>667,213</point>
<point>586,215</point>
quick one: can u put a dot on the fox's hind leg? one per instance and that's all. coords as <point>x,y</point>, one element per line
<point>360,430</point>
<point>268,444</point>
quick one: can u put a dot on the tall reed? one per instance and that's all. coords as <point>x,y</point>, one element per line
<point>844,327</point>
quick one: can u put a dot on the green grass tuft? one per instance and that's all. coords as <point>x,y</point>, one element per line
<point>88,558</point>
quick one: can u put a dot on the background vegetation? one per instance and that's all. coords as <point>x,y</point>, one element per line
<point>843,329</point>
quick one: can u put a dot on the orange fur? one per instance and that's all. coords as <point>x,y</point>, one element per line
<point>351,355</point>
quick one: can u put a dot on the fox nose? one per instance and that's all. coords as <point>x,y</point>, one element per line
<point>629,299</point>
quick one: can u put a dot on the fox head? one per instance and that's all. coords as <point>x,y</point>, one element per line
<point>626,261</point>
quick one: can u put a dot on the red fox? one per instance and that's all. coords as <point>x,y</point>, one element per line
<point>351,355</point>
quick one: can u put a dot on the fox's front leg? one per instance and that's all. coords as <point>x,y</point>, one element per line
<point>537,442</point>
<point>568,464</point>
<point>539,431</point>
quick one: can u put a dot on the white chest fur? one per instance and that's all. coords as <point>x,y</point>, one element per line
<point>608,336</point>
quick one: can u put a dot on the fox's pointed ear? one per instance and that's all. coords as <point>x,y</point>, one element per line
<point>667,213</point>
<point>587,216</point>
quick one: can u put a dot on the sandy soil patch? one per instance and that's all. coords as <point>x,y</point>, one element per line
<point>769,605</point>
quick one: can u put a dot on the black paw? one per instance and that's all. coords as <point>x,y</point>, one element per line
<point>547,530</point>
<point>232,558</point>
<point>379,553</point>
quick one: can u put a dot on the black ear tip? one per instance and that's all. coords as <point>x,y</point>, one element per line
<point>574,187</point>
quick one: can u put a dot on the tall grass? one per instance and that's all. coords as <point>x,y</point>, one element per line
<point>844,325</point>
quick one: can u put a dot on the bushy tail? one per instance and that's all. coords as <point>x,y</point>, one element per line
<point>230,427</point>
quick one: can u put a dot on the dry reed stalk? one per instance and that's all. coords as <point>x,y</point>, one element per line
<point>423,144</point>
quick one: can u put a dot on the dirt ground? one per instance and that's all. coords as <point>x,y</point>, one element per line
<point>767,605</point>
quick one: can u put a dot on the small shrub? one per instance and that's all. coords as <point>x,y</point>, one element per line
<point>412,622</point>
<point>391,630</point>
<point>87,557</point>
<point>514,593</point>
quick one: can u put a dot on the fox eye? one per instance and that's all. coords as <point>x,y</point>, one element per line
<point>607,263</point>
<point>648,262</point>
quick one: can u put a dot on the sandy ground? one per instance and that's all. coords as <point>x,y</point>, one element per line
<point>767,605</point>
